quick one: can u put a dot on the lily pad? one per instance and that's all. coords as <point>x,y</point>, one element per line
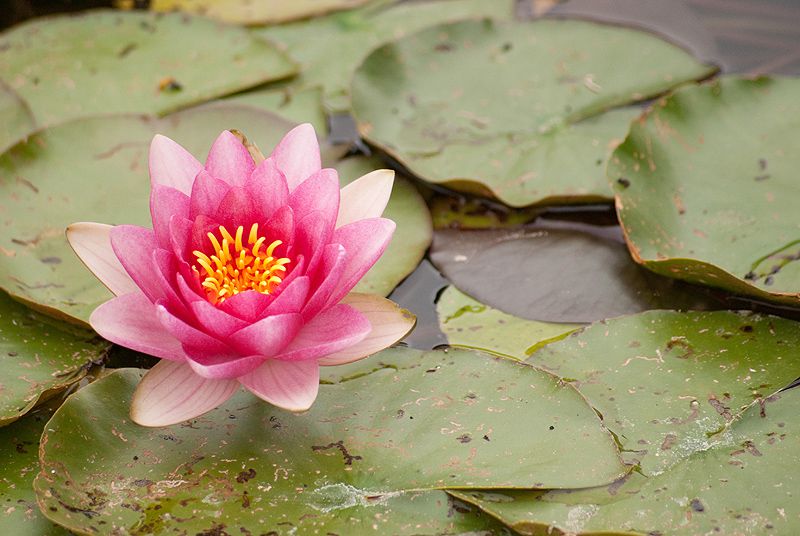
<point>249,12</point>
<point>467,323</point>
<point>411,238</point>
<point>665,381</point>
<point>513,110</point>
<point>105,62</point>
<point>556,272</point>
<point>744,483</point>
<point>437,420</point>
<point>19,459</point>
<point>330,48</point>
<point>707,194</point>
<point>16,120</point>
<point>303,106</point>
<point>39,357</point>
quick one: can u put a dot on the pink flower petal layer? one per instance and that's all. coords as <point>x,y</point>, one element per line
<point>92,244</point>
<point>291,385</point>
<point>172,165</point>
<point>131,321</point>
<point>365,197</point>
<point>171,393</point>
<point>389,323</point>
<point>337,328</point>
<point>229,160</point>
<point>297,155</point>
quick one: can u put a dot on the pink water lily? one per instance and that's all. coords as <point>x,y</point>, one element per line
<point>245,277</point>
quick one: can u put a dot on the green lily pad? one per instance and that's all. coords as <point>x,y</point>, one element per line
<point>19,459</point>
<point>707,194</point>
<point>105,62</point>
<point>39,357</point>
<point>330,48</point>
<point>436,420</point>
<point>411,238</point>
<point>303,106</point>
<point>513,110</point>
<point>665,381</point>
<point>260,12</point>
<point>16,120</point>
<point>744,483</point>
<point>556,272</point>
<point>468,323</point>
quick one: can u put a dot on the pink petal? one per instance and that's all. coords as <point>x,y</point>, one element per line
<point>229,160</point>
<point>319,193</point>
<point>389,324</point>
<point>246,305</point>
<point>164,273</point>
<point>214,320</point>
<point>267,188</point>
<point>207,194</point>
<point>172,165</point>
<point>311,234</point>
<point>365,197</point>
<point>166,202</point>
<point>292,297</point>
<point>236,209</point>
<point>268,336</point>
<point>134,248</point>
<point>330,331</point>
<point>291,385</point>
<point>171,393</point>
<point>364,241</point>
<point>92,244</point>
<point>223,369</point>
<point>297,155</point>
<point>131,321</point>
<point>196,343</point>
<point>330,272</point>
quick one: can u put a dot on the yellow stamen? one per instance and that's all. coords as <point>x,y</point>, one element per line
<point>227,273</point>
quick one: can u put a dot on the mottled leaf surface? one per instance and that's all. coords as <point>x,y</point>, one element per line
<point>39,357</point>
<point>16,120</point>
<point>556,272</point>
<point>706,187</point>
<point>19,459</point>
<point>255,12</point>
<point>666,381</point>
<point>104,62</point>
<point>513,110</point>
<point>470,324</point>
<point>302,106</point>
<point>434,420</point>
<point>412,236</point>
<point>330,48</point>
<point>745,483</point>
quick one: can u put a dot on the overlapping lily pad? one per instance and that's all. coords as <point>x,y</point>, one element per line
<point>467,323</point>
<point>707,193</point>
<point>745,482</point>
<point>19,458</point>
<point>411,238</point>
<point>254,12</point>
<point>105,62</point>
<point>16,120</point>
<point>434,420</point>
<point>666,381</point>
<point>330,48</point>
<point>39,357</point>
<point>513,110</point>
<point>556,272</point>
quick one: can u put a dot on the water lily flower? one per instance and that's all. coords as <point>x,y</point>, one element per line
<point>245,278</point>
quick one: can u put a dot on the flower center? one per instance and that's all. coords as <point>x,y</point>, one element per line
<point>226,273</point>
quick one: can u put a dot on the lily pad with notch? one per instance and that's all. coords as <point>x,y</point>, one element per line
<point>525,112</point>
<point>371,443</point>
